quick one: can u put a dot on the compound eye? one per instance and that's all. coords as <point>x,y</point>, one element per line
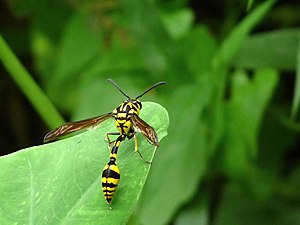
<point>139,104</point>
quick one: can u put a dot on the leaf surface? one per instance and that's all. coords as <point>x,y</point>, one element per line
<point>60,182</point>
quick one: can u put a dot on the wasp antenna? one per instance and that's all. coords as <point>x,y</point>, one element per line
<point>117,86</point>
<point>150,88</point>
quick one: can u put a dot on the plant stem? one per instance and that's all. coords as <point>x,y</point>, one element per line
<point>29,87</point>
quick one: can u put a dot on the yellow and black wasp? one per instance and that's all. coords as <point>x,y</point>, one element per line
<point>128,123</point>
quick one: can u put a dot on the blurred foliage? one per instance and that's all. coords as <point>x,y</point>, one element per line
<point>233,68</point>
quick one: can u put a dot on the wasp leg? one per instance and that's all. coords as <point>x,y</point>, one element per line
<point>136,149</point>
<point>108,139</point>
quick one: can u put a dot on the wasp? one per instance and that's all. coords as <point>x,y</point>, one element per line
<point>127,122</point>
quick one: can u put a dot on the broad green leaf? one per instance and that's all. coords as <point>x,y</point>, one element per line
<point>244,114</point>
<point>276,49</point>
<point>60,182</point>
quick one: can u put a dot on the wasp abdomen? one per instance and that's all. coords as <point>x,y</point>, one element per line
<point>110,180</point>
<point>111,172</point>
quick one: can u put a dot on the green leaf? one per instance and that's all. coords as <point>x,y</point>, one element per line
<point>178,22</point>
<point>236,38</point>
<point>78,51</point>
<point>60,182</point>
<point>224,57</point>
<point>198,49</point>
<point>276,49</point>
<point>245,110</point>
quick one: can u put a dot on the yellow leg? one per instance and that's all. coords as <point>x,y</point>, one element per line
<point>108,139</point>
<point>136,149</point>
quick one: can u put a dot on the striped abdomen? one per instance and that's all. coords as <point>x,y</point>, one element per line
<point>111,173</point>
<point>110,180</point>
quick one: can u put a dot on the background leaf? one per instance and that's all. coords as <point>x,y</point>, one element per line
<point>272,49</point>
<point>248,102</point>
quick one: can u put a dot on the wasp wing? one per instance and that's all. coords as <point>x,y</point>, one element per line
<point>148,131</point>
<point>75,126</point>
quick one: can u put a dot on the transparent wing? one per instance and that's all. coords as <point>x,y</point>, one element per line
<point>71,127</point>
<point>148,131</point>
